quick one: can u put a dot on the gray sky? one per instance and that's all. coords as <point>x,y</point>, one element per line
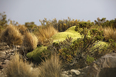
<point>32,10</point>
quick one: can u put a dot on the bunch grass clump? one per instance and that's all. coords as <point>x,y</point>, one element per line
<point>51,67</point>
<point>22,29</point>
<point>11,36</point>
<point>19,68</point>
<point>109,33</point>
<point>30,41</point>
<point>44,33</point>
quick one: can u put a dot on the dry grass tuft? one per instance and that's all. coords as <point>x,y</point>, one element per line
<point>22,29</point>
<point>18,68</point>
<point>50,67</point>
<point>11,36</point>
<point>44,33</point>
<point>30,41</point>
<point>109,33</point>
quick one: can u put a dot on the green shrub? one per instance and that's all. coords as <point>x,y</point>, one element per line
<point>89,59</point>
<point>37,54</point>
<point>63,49</point>
<point>80,48</point>
<point>84,25</point>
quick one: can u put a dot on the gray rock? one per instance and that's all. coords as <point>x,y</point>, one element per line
<point>103,67</point>
<point>76,72</point>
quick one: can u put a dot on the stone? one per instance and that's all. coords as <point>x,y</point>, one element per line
<point>71,73</point>
<point>103,67</point>
<point>76,72</point>
<point>2,54</point>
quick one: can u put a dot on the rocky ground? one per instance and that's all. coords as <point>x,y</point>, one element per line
<point>6,54</point>
<point>103,67</point>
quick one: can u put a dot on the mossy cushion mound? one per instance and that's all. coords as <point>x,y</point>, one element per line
<point>35,54</point>
<point>69,32</point>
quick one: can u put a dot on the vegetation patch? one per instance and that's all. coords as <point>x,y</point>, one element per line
<point>19,68</point>
<point>12,36</point>
<point>36,54</point>
<point>30,41</point>
<point>69,32</point>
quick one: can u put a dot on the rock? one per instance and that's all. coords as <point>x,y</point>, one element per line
<point>71,73</point>
<point>2,54</point>
<point>103,67</point>
<point>76,72</point>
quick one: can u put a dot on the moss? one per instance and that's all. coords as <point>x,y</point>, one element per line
<point>100,44</point>
<point>69,32</point>
<point>36,54</point>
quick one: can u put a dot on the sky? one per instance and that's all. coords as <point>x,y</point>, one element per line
<point>23,11</point>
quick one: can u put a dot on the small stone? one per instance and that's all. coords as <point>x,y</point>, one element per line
<point>64,75</point>
<point>2,54</point>
<point>75,71</point>
<point>6,61</point>
<point>65,72</point>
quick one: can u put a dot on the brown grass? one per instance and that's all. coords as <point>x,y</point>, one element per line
<point>109,33</point>
<point>50,67</point>
<point>22,29</point>
<point>18,68</point>
<point>11,36</point>
<point>44,33</point>
<point>30,41</point>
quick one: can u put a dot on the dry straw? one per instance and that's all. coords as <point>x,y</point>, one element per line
<point>30,41</point>
<point>19,68</point>
<point>11,36</point>
<point>50,67</point>
<point>44,33</point>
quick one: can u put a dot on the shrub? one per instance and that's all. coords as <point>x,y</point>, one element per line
<point>50,67</point>
<point>83,25</point>
<point>18,68</point>
<point>11,36</point>
<point>62,49</point>
<point>80,48</point>
<point>44,33</point>
<point>30,41</point>
<point>89,59</point>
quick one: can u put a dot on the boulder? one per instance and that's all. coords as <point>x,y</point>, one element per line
<point>103,67</point>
